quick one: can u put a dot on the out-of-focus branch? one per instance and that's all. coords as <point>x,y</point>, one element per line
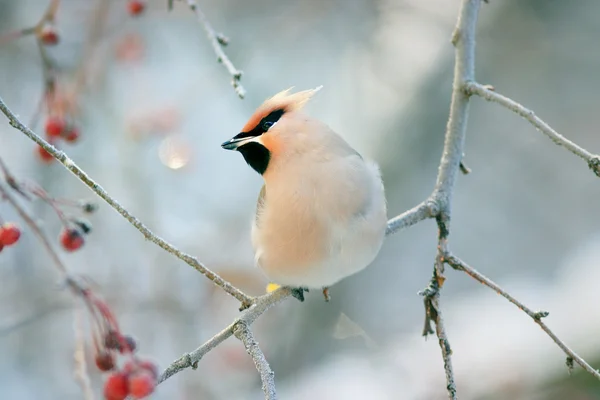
<point>267,376</point>
<point>474,88</point>
<point>536,316</point>
<point>34,226</point>
<point>218,41</point>
<point>148,234</point>
<point>98,21</point>
<point>49,14</point>
<point>80,372</point>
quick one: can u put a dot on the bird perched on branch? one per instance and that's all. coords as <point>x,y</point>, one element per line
<point>321,214</point>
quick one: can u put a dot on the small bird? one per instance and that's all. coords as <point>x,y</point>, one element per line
<point>321,213</point>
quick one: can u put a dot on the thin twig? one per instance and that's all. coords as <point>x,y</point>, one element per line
<point>267,376</point>
<point>423,210</point>
<point>81,373</point>
<point>34,226</point>
<point>217,42</point>
<point>97,25</point>
<point>464,169</point>
<point>440,331</point>
<point>474,88</point>
<point>148,234</point>
<point>536,316</point>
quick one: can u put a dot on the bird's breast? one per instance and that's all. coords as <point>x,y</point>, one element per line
<point>316,229</point>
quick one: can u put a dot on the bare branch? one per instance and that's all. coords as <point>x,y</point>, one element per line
<point>81,373</point>
<point>148,234</point>
<point>463,39</point>
<point>536,316</point>
<point>434,313</point>
<point>424,210</point>
<point>218,41</point>
<point>267,376</point>
<point>262,304</point>
<point>474,88</point>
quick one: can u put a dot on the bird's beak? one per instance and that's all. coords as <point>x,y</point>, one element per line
<point>234,143</point>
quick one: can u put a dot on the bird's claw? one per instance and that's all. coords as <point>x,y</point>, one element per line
<point>299,293</point>
<point>326,294</point>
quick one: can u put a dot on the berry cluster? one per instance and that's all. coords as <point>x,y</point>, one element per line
<point>137,377</point>
<point>75,228</point>
<point>57,128</point>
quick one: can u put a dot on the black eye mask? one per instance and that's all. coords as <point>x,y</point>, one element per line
<point>263,126</point>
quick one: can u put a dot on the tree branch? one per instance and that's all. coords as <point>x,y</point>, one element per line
<point>148,234</point>
<point>80,372</point>
<point>267,376</point>
<point>536,316</point>
<point>261,304</point>
<point>218,41</point>
<point>463,39</point>
<point>474,88</point>
<point>423,210</point>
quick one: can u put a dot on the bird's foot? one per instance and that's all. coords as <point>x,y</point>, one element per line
<point>326,294</point>
<point>299,293</point>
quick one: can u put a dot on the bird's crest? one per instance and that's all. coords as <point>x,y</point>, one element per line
<point>283,100</point>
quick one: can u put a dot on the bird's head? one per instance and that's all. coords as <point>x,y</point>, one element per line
<point>266,133</point>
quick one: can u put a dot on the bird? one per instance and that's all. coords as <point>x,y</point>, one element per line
<point>321,214</point>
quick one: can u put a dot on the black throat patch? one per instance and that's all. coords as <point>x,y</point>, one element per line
<point>256,155</point>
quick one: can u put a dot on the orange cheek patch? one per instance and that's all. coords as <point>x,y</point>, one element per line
<point>271,142</point>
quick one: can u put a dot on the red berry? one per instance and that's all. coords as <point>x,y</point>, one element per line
<point>150,367</point>
<point>71,239</point>
<point>137,365</point>
<point>71,134</point>
<point>115,387</point>
<point>136,7</point>
<point>9,234</point>
<point>44,155</point>
<point>105,360</point>
<point>49,36</point>
<point>141,384</point>
<point>55,126</point>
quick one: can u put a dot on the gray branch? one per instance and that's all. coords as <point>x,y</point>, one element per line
<point>485,92</point>
<point>267,376</point>
<point>536,316</point>
<point>218,41</point>
<point>261,304</point>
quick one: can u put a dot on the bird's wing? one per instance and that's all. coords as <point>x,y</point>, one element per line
<point>260,204</point>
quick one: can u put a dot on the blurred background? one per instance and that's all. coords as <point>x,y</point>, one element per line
<point>153,105</point>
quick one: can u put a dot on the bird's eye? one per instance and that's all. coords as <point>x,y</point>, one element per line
<point>266,125</point>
